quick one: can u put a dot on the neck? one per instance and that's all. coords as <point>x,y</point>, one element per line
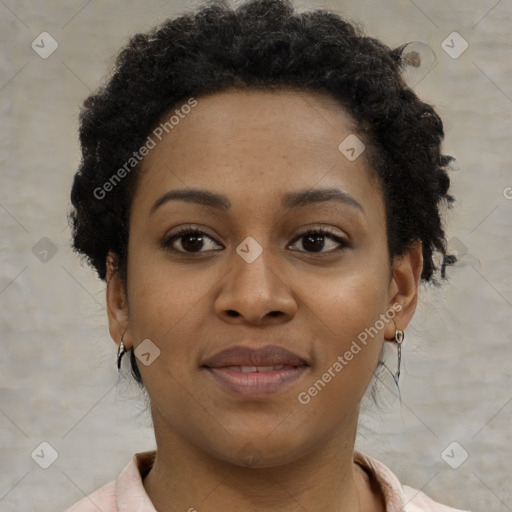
<point>185,477</point>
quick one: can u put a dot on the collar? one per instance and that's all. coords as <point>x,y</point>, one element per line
<point>132,497</point>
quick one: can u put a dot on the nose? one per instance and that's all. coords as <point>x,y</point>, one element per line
<point>255,293</point>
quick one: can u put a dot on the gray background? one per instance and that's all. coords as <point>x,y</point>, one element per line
<point>58,381</point>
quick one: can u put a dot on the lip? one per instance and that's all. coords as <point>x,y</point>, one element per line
<point>269,355</point>
<point>256,385</point>
<point>225,368</point>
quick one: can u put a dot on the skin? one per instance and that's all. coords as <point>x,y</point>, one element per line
<point>254,147</point>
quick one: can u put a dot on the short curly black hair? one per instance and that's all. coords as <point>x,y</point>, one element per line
<point>262,44</point>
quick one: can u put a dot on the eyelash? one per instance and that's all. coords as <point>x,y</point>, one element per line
<point>168,240</point>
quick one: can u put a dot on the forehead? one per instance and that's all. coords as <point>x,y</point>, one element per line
<point>244,143</point>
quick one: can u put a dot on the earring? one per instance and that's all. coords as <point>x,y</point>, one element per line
<point>121,351</point>
<point>398,339</point>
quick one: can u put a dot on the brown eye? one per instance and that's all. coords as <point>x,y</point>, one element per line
<point>315,241</point>
<point>190,240</point>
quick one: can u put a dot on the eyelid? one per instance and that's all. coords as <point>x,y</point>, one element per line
<point>327,230</point>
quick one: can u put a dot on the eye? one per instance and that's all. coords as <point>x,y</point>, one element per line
<point>190,240</point>
<point>315,241</point>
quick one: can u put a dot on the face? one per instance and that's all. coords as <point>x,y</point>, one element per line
<point>286,248</point>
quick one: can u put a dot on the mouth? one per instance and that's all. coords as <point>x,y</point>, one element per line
<point>255,373</point>
<point>252,369</point>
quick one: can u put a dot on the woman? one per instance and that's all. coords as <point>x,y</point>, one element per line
<point>262,194</point>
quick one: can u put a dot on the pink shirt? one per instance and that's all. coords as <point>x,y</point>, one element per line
<point>127,493</point>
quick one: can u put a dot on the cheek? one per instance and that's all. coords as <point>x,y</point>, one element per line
<point>162,292</point>
<point>348,328</point>
<point>169,305</point>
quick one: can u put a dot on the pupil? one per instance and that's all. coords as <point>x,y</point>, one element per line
<point>196,243</point>
<point>316,245</point>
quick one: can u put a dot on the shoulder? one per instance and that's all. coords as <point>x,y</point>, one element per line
<point>103,499</point>
<point>125,493</point>
<point>418,501</point>
<point>398,497</point>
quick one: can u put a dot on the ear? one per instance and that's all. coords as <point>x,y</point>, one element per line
<point>117,303</point>
<point>403,288</point>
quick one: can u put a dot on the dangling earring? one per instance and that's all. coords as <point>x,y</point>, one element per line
<point>121,351</point>
<point>398,339</point>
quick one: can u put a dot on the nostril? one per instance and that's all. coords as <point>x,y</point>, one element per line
<point>232,312</point>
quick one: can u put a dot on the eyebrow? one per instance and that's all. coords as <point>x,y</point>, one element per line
<point>290,201</point>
